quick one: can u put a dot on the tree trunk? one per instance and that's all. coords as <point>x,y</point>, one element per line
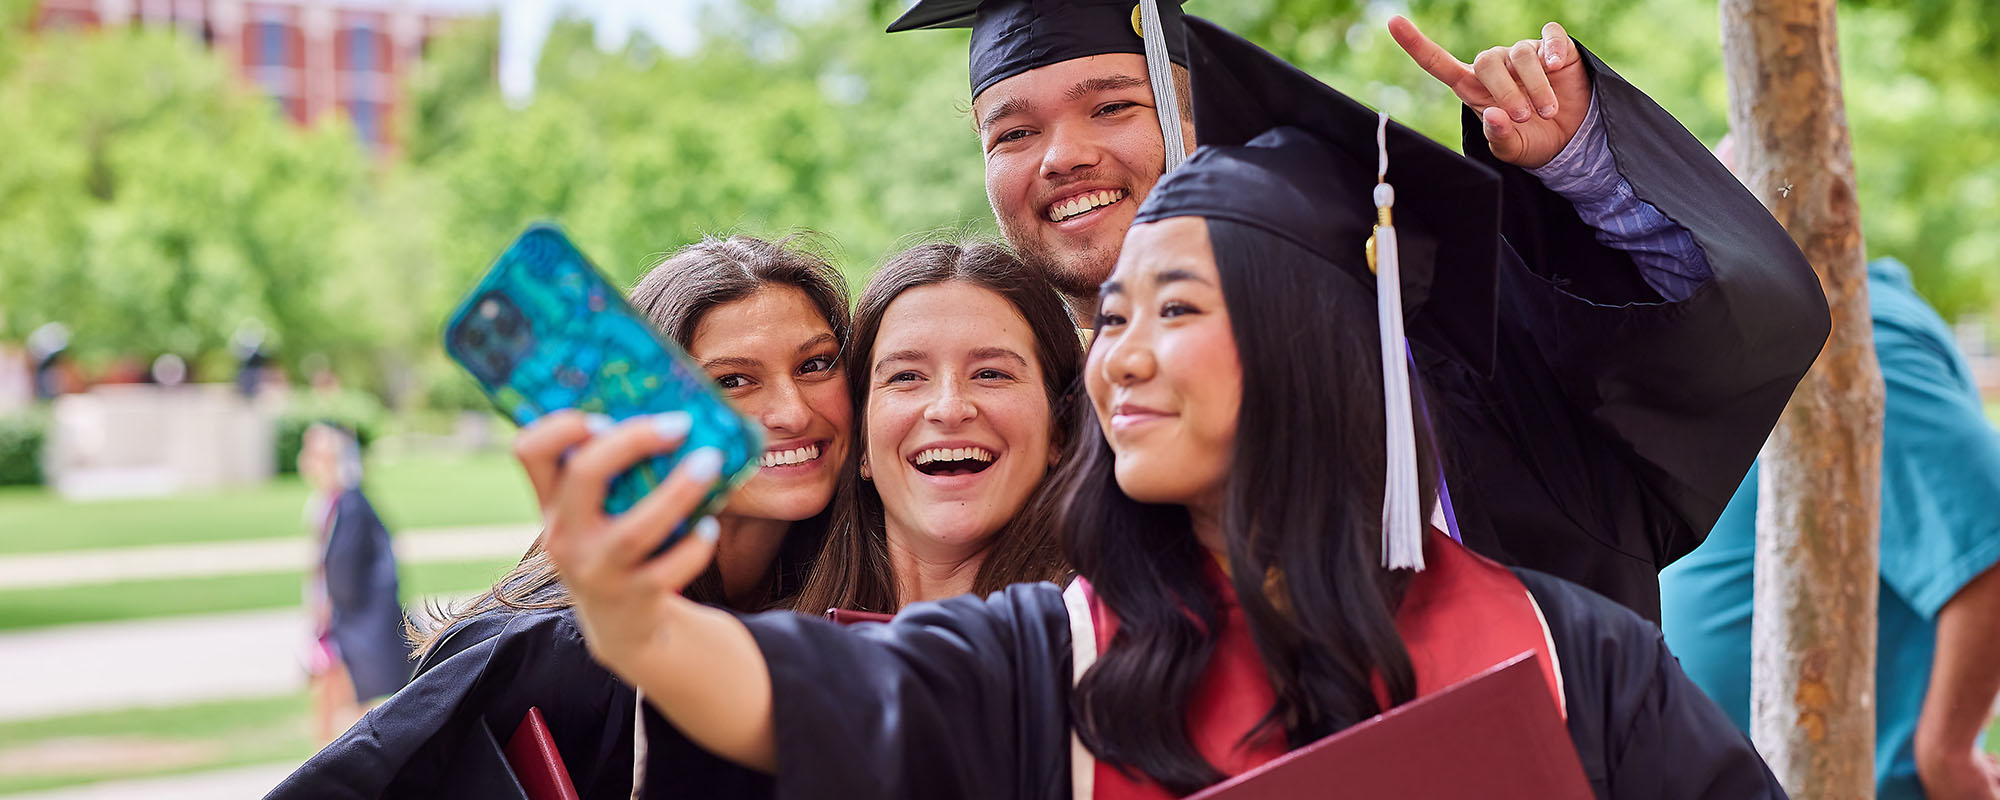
<point>1813,639</point>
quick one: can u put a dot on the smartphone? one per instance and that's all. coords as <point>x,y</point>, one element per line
<point>544,331</point>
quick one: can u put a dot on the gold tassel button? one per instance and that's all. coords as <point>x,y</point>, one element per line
<point>1382,220</point>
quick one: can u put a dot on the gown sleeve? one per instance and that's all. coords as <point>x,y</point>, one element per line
<point>1642,729</point>
<point>1616,424</point>
<point>430,740</point>
<point>964,698</point>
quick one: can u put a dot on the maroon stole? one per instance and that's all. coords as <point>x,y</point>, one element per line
<point>1461,615</point>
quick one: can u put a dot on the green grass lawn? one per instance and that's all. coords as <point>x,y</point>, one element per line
<point>412,492</point>
<point>65,751</point>
<point>32,608</point>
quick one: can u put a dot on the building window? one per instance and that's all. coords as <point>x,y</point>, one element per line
<point>361,50</point>
<point>271,44</point>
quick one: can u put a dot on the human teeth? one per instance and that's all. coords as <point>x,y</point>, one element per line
<point>953,454</point>
<point>785,458</point>
<point>1082,203</point>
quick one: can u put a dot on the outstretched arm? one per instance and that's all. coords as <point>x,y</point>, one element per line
<point>1673,380</point>
<point>699,666</point>
<point>1965,679</point>
<point>1536,110</point>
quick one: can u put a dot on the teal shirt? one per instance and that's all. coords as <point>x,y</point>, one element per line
<point>1940,529</point>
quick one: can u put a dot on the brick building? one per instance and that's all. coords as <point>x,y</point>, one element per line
<point>314,57</point>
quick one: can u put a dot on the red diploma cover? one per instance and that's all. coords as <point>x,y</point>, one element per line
<point>531,752</point>
<point>845,616</point>
<point>1496,735</point>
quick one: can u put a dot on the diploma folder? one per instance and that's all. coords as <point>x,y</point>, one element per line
<point>1496,735</point>
<point>531,752</point>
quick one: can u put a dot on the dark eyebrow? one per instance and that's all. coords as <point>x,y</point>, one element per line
<point>1107,83</point>
<point>1001,353</point>
<point>1166,276</point>
<point>901,355</point>
<point>732,362</point>
<point>817,341</point>
<point>1161,278</point>
<point>1007,108</point>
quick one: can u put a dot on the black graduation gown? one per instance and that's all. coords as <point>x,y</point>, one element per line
<point>1614,425</point>
<point>367,620</point>
<point>1599,432</point>
<point>428,741</point>
<point>969,698</point>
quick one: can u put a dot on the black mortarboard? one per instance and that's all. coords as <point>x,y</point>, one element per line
<point>1284,153</point>
<point>1010,37</point>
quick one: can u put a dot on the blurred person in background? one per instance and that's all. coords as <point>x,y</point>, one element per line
<point>48,349</point>
<point>358,654</point>
<point>253,359</point>
<point>768,322</point>
<point>959,375</point>
<point>1937,660</point>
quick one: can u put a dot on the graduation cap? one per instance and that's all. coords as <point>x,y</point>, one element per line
<point>1010,37</point>
<point>1288,155</point>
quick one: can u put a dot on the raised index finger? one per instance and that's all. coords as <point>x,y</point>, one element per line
<point>1429,55</point>
<point>1558,50</point>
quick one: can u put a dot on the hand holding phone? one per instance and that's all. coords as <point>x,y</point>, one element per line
<point>625,591</point>
<point>544,331</point>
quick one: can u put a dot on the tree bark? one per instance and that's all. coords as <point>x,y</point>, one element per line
<point>1813,634</point>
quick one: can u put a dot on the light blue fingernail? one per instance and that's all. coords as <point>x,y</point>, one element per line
<point>598,423</point>
<point>672,425</point>
<point>703,465</point>
<point>708,530</point>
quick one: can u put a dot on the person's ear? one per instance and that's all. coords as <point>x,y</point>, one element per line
<point>866,473</point>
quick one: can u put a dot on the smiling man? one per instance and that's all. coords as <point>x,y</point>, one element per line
<point>1602,367</point>
<point>1066,116</point>
<point>1071,151</point>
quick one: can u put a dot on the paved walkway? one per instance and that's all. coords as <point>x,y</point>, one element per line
<point>208,559</point>
<point>105,666</point>
<point>241,783</point>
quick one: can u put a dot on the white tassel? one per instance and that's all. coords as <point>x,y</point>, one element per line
<point>639,743</point>
<point>1160,70</point>
<point>1402,522</point>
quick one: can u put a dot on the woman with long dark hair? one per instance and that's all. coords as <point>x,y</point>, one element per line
<point>961,363</point>
<point>768,321</point>
<point>1241,589</point>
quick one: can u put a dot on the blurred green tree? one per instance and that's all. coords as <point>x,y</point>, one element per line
<point>774,124</point>
<point>164,203</point>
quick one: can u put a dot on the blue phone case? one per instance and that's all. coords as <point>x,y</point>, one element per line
<point>544,331</point>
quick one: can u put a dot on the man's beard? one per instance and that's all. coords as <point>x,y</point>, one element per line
<point>1077,276</point>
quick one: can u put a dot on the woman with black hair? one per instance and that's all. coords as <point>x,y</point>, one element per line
<point>1255,568</point>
